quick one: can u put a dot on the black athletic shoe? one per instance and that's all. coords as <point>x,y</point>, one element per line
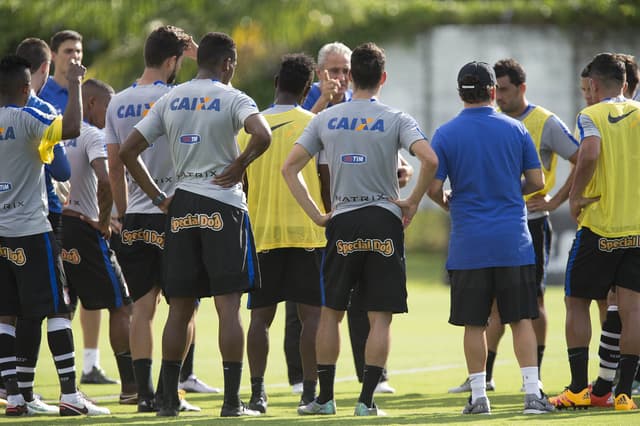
<point>258,403</point>
<point>167,412</point>
<point>147,405</point>
<point>241,410</point>
<point>97,376</point>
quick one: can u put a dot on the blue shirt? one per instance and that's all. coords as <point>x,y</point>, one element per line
<point>59,168</point>
<point>55,94</point>
<point>314,94</point>
<point>484,154</point>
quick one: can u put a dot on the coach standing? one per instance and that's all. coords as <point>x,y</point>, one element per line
<point>484,154</point>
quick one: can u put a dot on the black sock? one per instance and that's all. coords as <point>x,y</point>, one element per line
<point>8,360</point>
<point>628,367</point>
<point>187,364</point>
<point>257,386</point>
<point>232,376</point>
<point>491,359</point>
<point>326,377</point>
<point>579,364</point>
<point>28,336</point>
<point>370,380</point>
<point>540,355</point>
<point>308,391</point>
<point>125,368</point>
<point>637,374</point>
<point>142,372</point>
<point>60,339</point>
<point>170,374</point>
<point>609,358</point>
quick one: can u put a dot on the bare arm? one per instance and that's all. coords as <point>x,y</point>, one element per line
<point>117,178</point>
<point>105,200</point>
<point>428,167</point>
<point>130,155</point>
<point>256,126</point>
<point>544,203</point>
<point>72,118</point>
<point>533,181</point>
<point>295,162</point>
<point>585,168</point>
<point>437,194</point>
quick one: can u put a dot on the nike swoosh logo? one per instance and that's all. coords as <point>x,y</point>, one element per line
<point>614,120</point>
<point>277,126</point>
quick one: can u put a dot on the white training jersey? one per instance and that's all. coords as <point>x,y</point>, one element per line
<point>201,119</point>
<point>23,198</point>
<point>89,146</point>
<point>125,110</point>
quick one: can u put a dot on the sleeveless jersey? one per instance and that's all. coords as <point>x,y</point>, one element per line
<point>617,172</point>
<point>277,220</point>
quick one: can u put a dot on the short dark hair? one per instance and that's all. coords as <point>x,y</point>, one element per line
<point>94,86</point>
<point>586,71</point>
<point>511,68</point>
<point>61,36</point>
<point>631,69</point>
<point>296,71</point>
<point>34,50</point>
<point>367,65</point>
<point>608,69</point>
<point>164,42</point>
<point>214,48</point>
<point>14,74</point>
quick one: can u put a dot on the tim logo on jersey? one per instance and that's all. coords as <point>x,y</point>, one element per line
<point>195,104</point>
<point>5,186</point>
<point>356,124</point>
<point>353,158</point>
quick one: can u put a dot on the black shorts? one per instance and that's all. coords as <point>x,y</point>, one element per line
<point>473,292</point>
<point>365,253</point>
<point>91,267</point>
<point>209,248</point>
<point>597,263</point>
<point>291,274</point>
<point>32,280</point>
<point>140,252</point>
<point>541,233</point>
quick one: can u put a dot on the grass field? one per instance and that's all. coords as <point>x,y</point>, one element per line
<point>425,361</point>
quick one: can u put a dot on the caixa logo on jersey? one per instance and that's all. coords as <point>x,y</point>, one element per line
<point>5,186</point>
<point>190,139</point>
<point>353,159</point>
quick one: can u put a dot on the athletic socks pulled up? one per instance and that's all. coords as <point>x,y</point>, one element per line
<point>142,373</point>
<point>60,338</point>
<point>326,377</point>
<point>28,337</point>
<point>370,379</point>
<point>232,376</point>
<point>579,364</point>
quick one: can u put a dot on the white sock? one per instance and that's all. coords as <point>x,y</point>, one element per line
<point>15,399</point>
<point>69,397</point>
<point>90,359</point>
<point>530,381</point>
<point>478,383</point>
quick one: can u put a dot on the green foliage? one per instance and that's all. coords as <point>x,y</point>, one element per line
<point>428,232</point>
<point>114,30</point>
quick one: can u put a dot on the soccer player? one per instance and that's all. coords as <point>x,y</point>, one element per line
<point>91,266</point>
<point>605,251</point>
<point>31,272</point>
<point>65,46</point>
<point>484,154</point>
<point>143,225</point>
<point>333,72</point>
<point>208,214</point>
<point>29,331</point>
<point>289,244</point>
<point>365,245</point>
<point>552,139</point>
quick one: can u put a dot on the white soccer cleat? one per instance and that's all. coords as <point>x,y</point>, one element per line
<point>193,384</point>
<point>38,407</point>
<point>77,405</point>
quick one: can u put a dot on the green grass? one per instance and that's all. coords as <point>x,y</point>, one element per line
<point>426,359</point>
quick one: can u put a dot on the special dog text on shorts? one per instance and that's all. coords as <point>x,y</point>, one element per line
<point>611,244</point>
<point>385,247</point>
<point>213,222</point>
<point>17,256</point>
<point>148,236</point>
